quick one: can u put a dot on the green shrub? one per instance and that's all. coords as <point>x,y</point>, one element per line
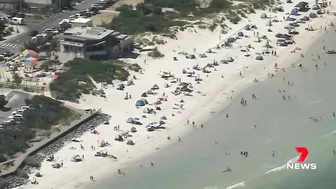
<point>241,13</point>
<point>2,158</point>
<point>20,173</point>
<point>3,183</point>
<point>31,162</point>
<point>71,84</point>
<point>155,54</point>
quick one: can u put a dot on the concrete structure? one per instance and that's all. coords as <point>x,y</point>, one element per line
<point>95,43</point>
<point>81,22</point>
<point>17,162</point>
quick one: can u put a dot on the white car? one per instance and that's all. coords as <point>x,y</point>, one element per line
<point>97,6</point>
<point>72,17</point>
<point>40,36</point>
<point>64,21</point>
<point>51,30</point>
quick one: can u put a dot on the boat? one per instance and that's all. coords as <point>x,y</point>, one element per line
<point>331,52</point>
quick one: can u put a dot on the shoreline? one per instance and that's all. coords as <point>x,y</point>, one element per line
<point>212,103</point>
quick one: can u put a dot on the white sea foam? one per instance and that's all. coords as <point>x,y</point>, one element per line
<point>239,185</point>
<point>282,167</point>
<point>328,135</point>
<point>211,187</point>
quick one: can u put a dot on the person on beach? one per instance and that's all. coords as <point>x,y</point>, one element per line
<point>91,178</point>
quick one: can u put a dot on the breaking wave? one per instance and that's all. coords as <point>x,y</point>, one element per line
<point>282,167</point>
<point>210,187</point>
<point>239,185</point>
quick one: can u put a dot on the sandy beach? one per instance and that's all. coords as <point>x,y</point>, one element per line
<point>215,90</point>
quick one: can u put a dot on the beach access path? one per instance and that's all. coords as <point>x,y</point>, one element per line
<point>84,115</point>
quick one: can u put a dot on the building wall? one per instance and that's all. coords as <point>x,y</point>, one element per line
<point>88,24</point>
<point>115,51</point>
<point>45,2</point>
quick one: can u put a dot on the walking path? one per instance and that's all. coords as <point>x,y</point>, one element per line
<point>37,146</point>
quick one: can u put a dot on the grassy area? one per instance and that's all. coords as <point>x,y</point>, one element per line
<point>149,16</point>
<point>44,114</point>
<point>78,78</point>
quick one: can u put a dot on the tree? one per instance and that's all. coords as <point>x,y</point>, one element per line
<point>3,101</point>
<point>17,79</point>
<point>2,26</point>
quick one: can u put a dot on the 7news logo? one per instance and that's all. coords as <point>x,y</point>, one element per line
<point>300,164</point>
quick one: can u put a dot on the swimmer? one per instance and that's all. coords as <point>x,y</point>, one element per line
<point>254,125</point>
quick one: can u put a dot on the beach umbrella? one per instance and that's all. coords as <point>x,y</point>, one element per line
<point>295,11</point>
<point>53,76</point>
<point>152,124</point>
<point>289,27</point>
<point>31,61</point>
<point>312,15</point>
<point>29,53</point>
<point>3,68</point>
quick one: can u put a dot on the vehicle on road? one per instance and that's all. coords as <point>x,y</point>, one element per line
<point>17,21</point>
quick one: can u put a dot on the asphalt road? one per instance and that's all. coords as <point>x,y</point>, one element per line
<point>14,43</point>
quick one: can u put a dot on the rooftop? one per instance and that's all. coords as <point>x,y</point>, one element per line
<point>81,20</point>
<point>94,33</point>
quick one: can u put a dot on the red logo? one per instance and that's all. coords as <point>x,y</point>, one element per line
<point>304,153</point>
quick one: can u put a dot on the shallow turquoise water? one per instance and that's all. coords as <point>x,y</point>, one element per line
<point>196,163</point>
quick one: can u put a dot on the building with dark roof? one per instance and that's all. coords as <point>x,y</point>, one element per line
<point>93,42</point>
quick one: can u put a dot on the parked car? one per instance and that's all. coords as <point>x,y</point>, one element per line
<point>17,20</point>
<point>93,10</point>
<point>51,31</point>
<point>2,58</point>
<point>8,54</point>
<point>33,33</point>
<point>72,17</point>
<point>98,6</point>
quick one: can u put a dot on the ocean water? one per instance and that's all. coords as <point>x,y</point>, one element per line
<point>197,161</point>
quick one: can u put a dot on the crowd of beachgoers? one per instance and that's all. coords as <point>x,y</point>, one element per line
<point>199,75</point>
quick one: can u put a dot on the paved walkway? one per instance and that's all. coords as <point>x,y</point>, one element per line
<point>54,136</point>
